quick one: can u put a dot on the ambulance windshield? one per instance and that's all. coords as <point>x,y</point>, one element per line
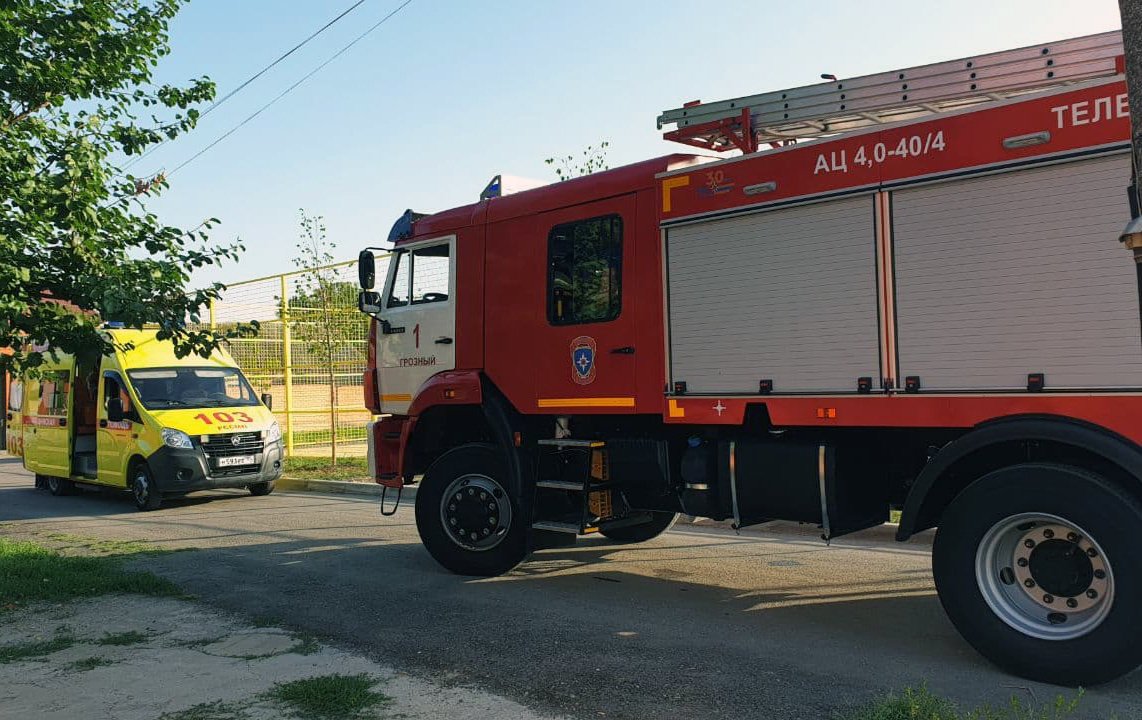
<point>191,387</point>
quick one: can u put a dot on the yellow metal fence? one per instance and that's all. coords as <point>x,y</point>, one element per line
<point>309,354</point>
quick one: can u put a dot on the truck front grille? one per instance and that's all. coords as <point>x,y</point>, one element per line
<point>233,444</point>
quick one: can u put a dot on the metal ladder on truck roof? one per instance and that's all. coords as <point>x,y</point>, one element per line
<point>745,123</point>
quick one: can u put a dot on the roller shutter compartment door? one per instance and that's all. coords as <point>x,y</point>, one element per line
<point>1015,273</point>
<point>786,295</point>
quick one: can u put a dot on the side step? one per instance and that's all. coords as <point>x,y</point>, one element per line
<point>572,491</point>
<point>571,528</point>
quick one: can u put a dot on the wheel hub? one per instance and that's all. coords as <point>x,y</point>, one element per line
<point>141,488</point>
<point>476,512</point>
<point>1044,576</point>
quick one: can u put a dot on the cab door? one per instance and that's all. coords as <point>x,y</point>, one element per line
<point>47,431</point>
<point>586,357</point>
<point>114,440</point>
<point>418,320</point>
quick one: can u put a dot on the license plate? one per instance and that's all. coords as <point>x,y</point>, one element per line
<point>233,460</point>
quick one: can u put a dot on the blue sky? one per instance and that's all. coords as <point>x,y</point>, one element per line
<point>448,93</point>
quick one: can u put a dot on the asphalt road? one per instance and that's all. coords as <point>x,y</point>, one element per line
<point>699,623</point>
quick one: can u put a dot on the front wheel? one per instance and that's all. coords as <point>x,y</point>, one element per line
<point>143,489</point>
<point>60,486</point>
<point>1036,566</point>
<point>468,515</point>
<point>262,488</point>
<point>659,523</point>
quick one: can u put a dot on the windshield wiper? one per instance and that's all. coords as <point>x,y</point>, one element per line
<point>168,401</point>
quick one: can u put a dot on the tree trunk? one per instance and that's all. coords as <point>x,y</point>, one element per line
<point>1132,42</point>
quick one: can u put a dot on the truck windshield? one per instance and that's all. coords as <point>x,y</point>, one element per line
<point>191,387</point>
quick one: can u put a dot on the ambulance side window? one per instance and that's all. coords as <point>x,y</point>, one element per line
<point>113,387</point>
<point>16,395</point>
<point>54,388</point>
<point>584,271</point>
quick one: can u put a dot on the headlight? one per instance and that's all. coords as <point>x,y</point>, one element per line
<point>274,433</point>
<point>177,439</point>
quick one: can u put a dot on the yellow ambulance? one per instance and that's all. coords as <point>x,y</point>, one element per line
<point>145,421</point>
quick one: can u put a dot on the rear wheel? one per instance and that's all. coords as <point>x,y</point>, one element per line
<point>659,523</point>
<point>143,488</point>
<point>262,488</point>
<point>467,514</point>
<point>1036,567</point>
<point>59,486</point>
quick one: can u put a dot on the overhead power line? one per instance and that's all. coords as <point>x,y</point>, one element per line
<point>291,88</point>
<point>256,75</point>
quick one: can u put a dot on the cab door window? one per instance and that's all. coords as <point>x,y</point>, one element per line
<point>431,274</point>
<point>584,274</point>
<point>422,276</point>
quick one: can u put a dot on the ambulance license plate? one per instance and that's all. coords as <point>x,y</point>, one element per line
<point>233,460</point>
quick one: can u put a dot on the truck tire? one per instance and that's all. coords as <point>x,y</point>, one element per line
<point>468,512</point>
<point>143,489</point>
<point>59,486</point>
<point>659,523</point>
<point>262,488</point>
<point>1037,567</point>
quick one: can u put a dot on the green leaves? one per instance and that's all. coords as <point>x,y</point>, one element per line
<point>77,245</point>
<point>593,160</point>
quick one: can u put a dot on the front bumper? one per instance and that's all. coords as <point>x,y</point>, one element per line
<point>183,470</point>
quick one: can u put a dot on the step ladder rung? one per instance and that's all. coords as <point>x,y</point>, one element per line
<point>569,442</point>
<point>563,527</point>
<point>560,485</point>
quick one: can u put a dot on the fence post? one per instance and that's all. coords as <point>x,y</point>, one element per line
<point>211,313</point>
<point>287,367</point>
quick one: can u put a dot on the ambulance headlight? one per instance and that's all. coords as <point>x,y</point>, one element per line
<point>176,439</point>
<point>274,433</point>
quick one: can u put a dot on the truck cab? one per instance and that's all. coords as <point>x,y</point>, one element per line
<point>146,421</point>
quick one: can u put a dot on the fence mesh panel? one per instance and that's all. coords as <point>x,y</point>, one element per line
<point>309,354</point>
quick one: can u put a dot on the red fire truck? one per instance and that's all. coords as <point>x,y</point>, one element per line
<point>906,291</point>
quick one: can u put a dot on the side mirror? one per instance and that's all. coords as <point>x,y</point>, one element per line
<point>268,401</point>
<point>115,410</point>
<point>366,270</point>
<point>369,302</point>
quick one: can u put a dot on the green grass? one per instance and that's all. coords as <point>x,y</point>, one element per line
<point>318,468</point>
<point>131,637</point>
<point>16,652</point>
<point>333,697</point>
<point>102,547</point>
<point>89,664</point>
<point>30,572</point>
<point>921,704</point>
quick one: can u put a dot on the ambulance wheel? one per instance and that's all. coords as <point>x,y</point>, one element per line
<point>262,488</point>
<point>143,489</point>
<point>60,486</point>
<point>467,514</point>
<point>659,523</point>
<point>1037,567</point>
